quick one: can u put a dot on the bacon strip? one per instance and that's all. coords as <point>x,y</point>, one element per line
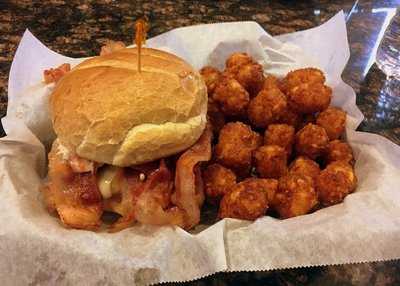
<point>152,204</point>
<point>78,203</point>
<point>54,75</point>
<point>199,186</point>
<point>145,201</point>
<point>124,204</point>
<point>74,196</point>
<point>185,179</point>
<point>149,202</point>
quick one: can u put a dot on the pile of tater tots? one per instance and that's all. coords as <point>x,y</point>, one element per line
<point>278,146</point>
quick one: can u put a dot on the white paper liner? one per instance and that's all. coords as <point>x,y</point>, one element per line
<point>36,249</point>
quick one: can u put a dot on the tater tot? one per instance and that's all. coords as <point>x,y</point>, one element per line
<point>235,145</point>
<point>304,166</point>
<point>271,81</point>
<point>333,120</point>
<point>291,117</point>
<point>339,151</point>
<point>271,161</point>
<point>230,73</point>
<point>311,141</point>
<point>238,59</point>
<point>335,182</point>
<point>269,186</point>
<point>211,77</point>
<point>309,97</point>
<point>346,169</point>
<point>218,181</point>
<point>231,96</point>
<point>267,107</point>
<point>295,196</point>
<point>281,135</point>
<point>215,116</point>
<point>300,76</point>
<point>251,77</point>
<point>248,200</point>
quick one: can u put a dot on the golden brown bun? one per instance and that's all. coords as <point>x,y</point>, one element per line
<point>105,111</point>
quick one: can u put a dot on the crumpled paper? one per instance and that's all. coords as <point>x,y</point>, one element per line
<point>35,249</point>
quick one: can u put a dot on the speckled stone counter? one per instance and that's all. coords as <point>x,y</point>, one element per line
<point>78,28</point>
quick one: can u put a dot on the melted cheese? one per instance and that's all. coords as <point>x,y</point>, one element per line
<point>107,181</point>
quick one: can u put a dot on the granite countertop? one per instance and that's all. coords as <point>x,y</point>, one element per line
<point>78,28</point>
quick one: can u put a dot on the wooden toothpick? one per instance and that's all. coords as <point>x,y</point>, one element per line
<point>141,27</point>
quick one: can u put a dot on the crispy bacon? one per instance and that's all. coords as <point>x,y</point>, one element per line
<point>86,186</point>
<point>78,203</point>
<point>146,201</point>
<point>185,179</point>
<point>87,217</point>
<point>150,201</point>
<point>199,186</point>
<point>151,206</point>
<point>125,202</point>
<point>74,196</point>
<point>55,74</point>
<point>111,46</point>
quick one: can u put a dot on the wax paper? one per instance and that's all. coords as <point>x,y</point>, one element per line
<point>37,250</point>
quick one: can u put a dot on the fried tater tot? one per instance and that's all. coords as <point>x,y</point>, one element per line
<point>248,200</point>
<point>251,77</point>
<point>333,119</point>
<point>304,166</point>
<point>271,81</point>
<point>300,76</point>
<point>268,186</point>
<point>291,117</point>
<point>311,141</point>
<point>211,77</point>
<point>215,116</point>
<point>346,169</point>
<point>231,96</point>
<point>295,196</point>
<point>267,107</point>
<point>218,181</point>
<point>309,97</point>
<point>235,145</point>
<point>271,161</point>
<point>281,135</point>
<point>230,73</point>
<point>335,182</point>
<point>238,59</point>
<point>306,90</point>
<point>339,151</point>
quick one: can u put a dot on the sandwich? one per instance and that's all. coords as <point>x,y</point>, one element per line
<point>128,142</point>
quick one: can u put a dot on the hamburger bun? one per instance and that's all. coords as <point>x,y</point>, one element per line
<point>106,111</point>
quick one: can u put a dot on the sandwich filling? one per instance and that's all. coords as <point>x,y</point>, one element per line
<point>163,192</point>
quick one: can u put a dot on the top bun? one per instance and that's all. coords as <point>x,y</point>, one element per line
<point>106,111</point>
